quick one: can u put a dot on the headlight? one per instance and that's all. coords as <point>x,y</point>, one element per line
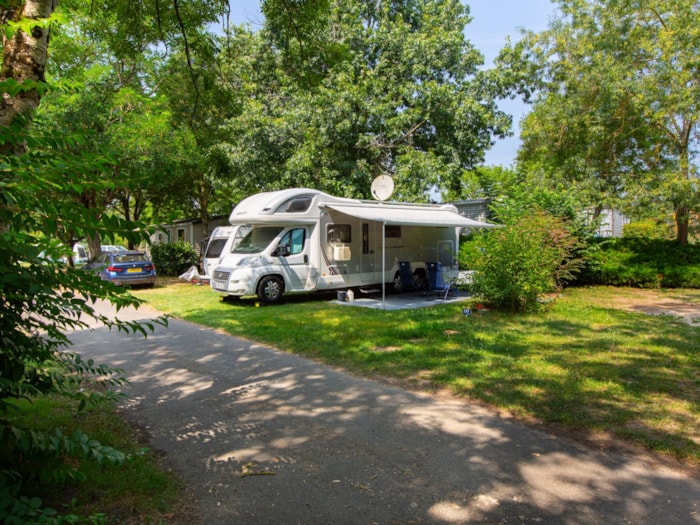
<point>249,262</point>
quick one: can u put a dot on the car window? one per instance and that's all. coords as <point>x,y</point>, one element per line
<point>129,258</point>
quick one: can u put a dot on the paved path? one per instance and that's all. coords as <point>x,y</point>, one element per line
<point>264,437</point>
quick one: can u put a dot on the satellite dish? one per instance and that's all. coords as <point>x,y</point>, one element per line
<point>382,187</point>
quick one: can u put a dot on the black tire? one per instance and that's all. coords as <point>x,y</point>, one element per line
<point>270,289</point>
<point>397,284</point>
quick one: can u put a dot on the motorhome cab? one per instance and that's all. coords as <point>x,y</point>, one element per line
<point>303,240</point>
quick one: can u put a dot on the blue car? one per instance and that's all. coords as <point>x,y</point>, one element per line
<point>124,268</point>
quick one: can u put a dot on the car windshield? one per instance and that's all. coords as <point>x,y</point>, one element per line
<point>257,239</point>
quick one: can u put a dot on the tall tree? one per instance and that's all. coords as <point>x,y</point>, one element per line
<point>389,87</point>
<point>200,183</point>
<point>113,99</point>
<point>25,40</point>
<point>619,115</point>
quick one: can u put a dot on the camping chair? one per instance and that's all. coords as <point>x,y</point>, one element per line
<point>438,283</point>
<point>409,283</point>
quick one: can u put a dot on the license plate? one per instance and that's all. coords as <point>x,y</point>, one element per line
<point>134,270</point>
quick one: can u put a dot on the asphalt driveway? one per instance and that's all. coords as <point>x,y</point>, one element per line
<point>262,436</point>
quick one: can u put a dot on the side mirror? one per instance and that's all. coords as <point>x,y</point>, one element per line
<point>282,250</point>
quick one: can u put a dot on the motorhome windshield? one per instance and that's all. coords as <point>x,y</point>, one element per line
<point>257,239</point>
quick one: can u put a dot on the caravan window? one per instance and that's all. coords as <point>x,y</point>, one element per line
<point>339,233</point>
<point>257,239</point>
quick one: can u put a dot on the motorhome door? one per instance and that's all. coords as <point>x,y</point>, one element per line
<point>371,251</point>
<point>293,250</point>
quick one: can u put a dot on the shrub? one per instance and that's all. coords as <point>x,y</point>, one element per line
<point>644,263</point>
<point>647,229</point>
<point>174,258</point>
<point>517,265</point>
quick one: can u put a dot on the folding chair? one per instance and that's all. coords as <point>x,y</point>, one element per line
<point>438,283</point>
<point>409,283</point>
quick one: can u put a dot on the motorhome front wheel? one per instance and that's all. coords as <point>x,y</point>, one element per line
<point>270,289</point>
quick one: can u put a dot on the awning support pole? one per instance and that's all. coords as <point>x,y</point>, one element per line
<point>383,266</point>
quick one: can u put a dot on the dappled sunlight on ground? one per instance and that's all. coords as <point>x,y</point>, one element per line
<point>263,436</point>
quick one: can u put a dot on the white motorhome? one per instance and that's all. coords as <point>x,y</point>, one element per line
<point>303,240</point>
<point>221,242</point>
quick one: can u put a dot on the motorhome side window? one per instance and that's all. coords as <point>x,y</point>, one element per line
<point>294,239</point>
<point>393,231</point>
<point>339,233</point>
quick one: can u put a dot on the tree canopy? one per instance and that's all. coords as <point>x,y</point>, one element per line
<point>618,112</point>
<point>395,88</point>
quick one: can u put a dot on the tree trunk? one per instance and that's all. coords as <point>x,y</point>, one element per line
<point>682,208</point>
<point>94,245</point>
<point>24,59</point>
<point>682,220</point>
<point>204,195</point>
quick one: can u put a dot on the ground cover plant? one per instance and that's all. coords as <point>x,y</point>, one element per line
<point>136,490</point>
<point>583,365</point>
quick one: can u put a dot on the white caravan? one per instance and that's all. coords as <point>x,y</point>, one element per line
<point>221,242</point>
<point>303,240</point>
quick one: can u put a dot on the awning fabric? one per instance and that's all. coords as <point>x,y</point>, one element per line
<point>414,216</point>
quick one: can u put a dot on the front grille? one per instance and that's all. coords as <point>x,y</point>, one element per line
<point>220,280</point>
<point>220,275</point>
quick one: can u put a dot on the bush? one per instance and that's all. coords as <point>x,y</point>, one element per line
<point>647,229</point>
<point>643,263</point>
<point>517,265</point>
<point>174,258</point>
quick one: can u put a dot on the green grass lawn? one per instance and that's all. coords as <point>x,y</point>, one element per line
<point>581,365</point>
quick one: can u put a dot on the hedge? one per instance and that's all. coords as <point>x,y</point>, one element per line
<point>644,263</point>
<point>174,258</point>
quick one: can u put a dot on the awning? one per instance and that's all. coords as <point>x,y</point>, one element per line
<point>413,216</point>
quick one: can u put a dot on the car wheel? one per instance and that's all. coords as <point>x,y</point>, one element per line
<point>270,289</point>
